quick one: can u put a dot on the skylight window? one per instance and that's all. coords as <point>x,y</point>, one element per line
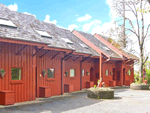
<point>6,22</point>
<point>106,48</point>
<point>43,34</point>
<point>83,45</point>
<point>67,40</point>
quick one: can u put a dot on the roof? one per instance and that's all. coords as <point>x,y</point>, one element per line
<point>99,44</point>
<point>64,33</point>
<point>19,33</point>
<point>27,26</point>
<point>111,41</point>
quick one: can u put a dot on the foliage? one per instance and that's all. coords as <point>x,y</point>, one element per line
<point>2,71</point>
<point>87,73</point>
<point>148,76</point>
<point>44,72</point>
<point>95,86</point>
<point>136,78</point>
<point>50,73</point>
<point>15,73</point>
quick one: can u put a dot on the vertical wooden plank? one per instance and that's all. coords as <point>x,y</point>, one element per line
<point>0,68</point>
<point>3,80</point>
<point>34,73</point>
<point>25,74</point>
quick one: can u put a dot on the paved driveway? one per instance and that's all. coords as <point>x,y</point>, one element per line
<point>126,101</point>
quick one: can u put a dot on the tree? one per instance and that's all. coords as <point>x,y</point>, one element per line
<point>135,25</point>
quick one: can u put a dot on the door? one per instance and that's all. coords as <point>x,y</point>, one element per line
<point>91,74</point>
<point>123,76</point>
<point>118,75</point>
<point>114,73</point>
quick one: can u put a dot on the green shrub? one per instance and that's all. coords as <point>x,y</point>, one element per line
<point>147,76</point>
<point>136,78</point>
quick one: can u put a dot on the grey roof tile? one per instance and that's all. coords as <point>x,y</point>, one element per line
<point>99,44</point>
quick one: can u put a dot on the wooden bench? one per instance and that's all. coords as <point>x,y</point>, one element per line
<point>68,88</point>
<point>45,91</point>
<point>6,97</point>
<point>89,84</point>
<point>112,83</point>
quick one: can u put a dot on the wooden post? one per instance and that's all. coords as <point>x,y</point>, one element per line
<point>80,75</point>
<point>100,66</point>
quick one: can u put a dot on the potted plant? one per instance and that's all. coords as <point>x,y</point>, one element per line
<point>66,73</point>
<point>111,72</point>
<point>44,73</point>
<point>2,72</point>
<point>87,73</point>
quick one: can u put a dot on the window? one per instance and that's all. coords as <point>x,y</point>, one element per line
<point>106,72</point>
<point>43,34</point>
<point>82,72</point>
<point>129,72</point>
<point>83,45</point>
<point>72,72</point>
<point>50,73</point>
<point>67,40</point>
<point>6,22</point>
<point>15,73</point>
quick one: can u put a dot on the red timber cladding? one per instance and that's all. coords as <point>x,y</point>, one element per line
<point>86,78</point>
<point>128,66</point>
<point>43,64</point>
<point>119,69</point>
<point>70,64</point>
<point>24,89</point>
<point>108,66</point>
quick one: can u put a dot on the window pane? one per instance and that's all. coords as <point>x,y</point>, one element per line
<point>72,72</point>
<point>82,72</point>
<point>50,73</point>
<point>129,72</point>
<point>106,72</point>
<point>15,73</point>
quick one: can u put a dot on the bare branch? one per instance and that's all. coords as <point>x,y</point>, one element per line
<point>147,31</point>
<point>132,32</point>
<point>145,60</point>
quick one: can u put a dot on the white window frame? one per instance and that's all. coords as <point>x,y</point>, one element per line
<point>72,72</point>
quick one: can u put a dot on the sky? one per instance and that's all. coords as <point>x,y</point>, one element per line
<point>84,15</point>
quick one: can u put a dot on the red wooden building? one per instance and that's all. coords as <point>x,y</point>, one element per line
<point>116,66</point>
<point>39,59</point>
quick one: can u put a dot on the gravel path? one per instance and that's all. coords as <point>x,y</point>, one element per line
<point>125,101</point>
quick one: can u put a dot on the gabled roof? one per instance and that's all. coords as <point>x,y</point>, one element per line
<point>117,49</point>
<point>98,44</point>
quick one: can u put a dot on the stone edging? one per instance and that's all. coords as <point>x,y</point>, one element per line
<point>139,87</point>
<point>100,94</point>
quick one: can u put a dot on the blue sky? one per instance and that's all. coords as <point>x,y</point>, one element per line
<point>66,12</point>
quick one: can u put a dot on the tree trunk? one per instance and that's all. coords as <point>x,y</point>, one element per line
<point>124,32</point>
<point>141,64</point>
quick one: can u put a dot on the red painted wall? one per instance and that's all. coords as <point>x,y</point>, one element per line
<point>44,63</point>
<point>86,78</point>
<point>129,66</point>
<point>108,66</point>
<point>70,64</point>
<point>24,90</point>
